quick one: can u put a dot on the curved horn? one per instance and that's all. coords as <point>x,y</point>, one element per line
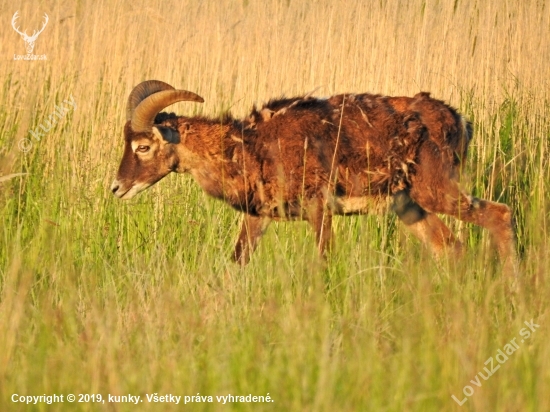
<point>143,116</point>
<point>142,91</point>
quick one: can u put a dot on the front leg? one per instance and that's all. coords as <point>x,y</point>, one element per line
<point>252,229</point>
<point>321,220</point>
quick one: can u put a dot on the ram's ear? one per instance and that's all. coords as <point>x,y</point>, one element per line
<point>167,134</point>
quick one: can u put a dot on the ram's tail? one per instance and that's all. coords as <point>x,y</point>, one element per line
<point>464,137</point>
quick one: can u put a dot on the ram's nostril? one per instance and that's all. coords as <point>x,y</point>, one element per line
<point>115,186</point>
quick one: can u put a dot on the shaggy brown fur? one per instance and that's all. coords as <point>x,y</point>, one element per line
<point>308,158</point>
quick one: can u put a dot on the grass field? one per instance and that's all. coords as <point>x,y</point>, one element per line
<point>101,296</point>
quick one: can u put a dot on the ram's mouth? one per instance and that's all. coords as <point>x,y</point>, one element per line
<point>126,193</point>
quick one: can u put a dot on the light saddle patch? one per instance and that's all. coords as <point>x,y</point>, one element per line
<point>362,205</point>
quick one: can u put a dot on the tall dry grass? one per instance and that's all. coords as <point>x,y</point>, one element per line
<point>101,296</point>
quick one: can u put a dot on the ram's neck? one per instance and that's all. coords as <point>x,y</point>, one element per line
<point>215,153</point>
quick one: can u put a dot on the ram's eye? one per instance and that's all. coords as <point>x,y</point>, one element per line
<point>142,149</point>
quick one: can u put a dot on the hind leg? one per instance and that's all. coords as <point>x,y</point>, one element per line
<point>447,198</point>
<point>427,227</point>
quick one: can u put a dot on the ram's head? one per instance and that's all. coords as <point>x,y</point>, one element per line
<point>149,148</point>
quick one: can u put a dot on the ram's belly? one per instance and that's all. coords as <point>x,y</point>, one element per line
<point>337,205</point>
<point>361,205</point>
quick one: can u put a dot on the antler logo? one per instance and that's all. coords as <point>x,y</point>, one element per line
<point>29,40</point>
